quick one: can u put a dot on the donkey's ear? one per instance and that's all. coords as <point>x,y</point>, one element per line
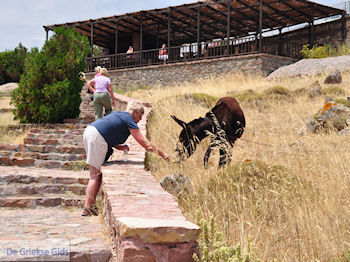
<point>180,122</point>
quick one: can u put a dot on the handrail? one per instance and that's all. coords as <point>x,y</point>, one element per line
<point>192,52</point>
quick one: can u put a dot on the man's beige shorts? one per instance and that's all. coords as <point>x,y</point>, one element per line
<point>95,147</point>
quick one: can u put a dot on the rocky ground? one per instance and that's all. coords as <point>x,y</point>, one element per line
<point>309,67</point>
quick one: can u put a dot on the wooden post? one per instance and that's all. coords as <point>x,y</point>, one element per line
<point>92,38</point>
<point>280,41</point>
<point>343,27</point>
<point>157,40</point>
<point>141,36</point>
<point>260,25</point>
<point>47,33</point>
<point>169,27</point>
<point>198,29</point>
<point>141,31</point>
<point>116,38</point>
<point>228,24</point>
<point>313,26</point>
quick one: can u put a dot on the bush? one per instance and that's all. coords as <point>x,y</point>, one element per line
<point>323,51</point>
<point>12,64</point>
<point>49,89</point>
<point>202,98</point>
<point>333,90</point>
<point>213,248</point>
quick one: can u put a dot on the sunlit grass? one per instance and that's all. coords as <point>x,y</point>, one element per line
<point>6,119</point>
<point>296,207</point>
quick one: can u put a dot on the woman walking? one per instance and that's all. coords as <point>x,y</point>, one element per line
<point>100,86</point>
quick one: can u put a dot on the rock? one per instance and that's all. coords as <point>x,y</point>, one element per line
<point>332,116</point>
<point>176,184</point>
<point>312,125</point>
<point>315,90</point>
<point>333,77</point>
<point>309,67</point>
<point>335,115</point>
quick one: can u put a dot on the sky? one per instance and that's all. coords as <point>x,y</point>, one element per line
<point>22,21</point>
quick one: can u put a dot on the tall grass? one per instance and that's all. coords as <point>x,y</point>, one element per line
<point>6,118</point>
<point>289,193</point>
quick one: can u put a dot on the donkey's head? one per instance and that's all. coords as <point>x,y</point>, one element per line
<point>187,140</point>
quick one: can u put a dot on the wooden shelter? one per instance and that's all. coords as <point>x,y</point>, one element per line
<point>201,22</point>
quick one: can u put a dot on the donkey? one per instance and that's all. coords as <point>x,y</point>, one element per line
<point>225,123</point>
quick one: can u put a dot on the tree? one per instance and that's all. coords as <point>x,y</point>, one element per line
<point>49,89</point>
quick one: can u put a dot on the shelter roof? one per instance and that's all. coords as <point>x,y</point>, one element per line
<point>213,14</point>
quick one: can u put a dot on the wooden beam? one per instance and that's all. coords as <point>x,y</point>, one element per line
<point>116,38</point>
<point>47,34</point>
<point>258,11</point>
<point>157,40</point>
<point>281,13</point>
<point>343,27</point>
<point>141,32</point>
<point>169,26</point>
<point>260,24</point>
<point>190,25</point>
<point>92,38</point>
<point>190,34</point>
<point>198,24</point>
<point>228,21</point>
<point>313,25</point>
<point>231,19</point>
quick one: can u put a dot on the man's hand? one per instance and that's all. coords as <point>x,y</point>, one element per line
<point>164,155</point>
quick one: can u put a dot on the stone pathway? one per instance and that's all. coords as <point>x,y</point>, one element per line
<point>38,204</point>
<point>143,221</point>
<point>88,241</point>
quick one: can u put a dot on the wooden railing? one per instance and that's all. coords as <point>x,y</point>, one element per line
<point>193,52</point>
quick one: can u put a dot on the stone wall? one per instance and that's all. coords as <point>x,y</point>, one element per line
<point>260,64</point>
<point>326,33</point>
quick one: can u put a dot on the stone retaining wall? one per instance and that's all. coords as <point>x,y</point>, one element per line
<point>260,64</point>
<point>145,221</point>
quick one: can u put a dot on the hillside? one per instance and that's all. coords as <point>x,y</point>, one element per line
<point>287,191</point>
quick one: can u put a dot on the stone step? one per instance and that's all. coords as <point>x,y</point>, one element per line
<point>75,130</point>
<point>41,189</point>
<point>47,156</point>
<point>64,149</point>
<point>67,137</point>
<point>77,141</point>
<point>50,163</point>
<point>46,201</point>
<point>16,161</point>
<point>78,120</point>
<point>32,176</point>
<point>29,162</point>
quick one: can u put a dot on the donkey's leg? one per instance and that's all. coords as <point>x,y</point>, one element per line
<point>206,156</point>
<point>229,154</point>
<point>223,157</point>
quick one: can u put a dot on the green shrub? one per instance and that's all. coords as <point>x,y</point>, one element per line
<point>49,89</point>
<point>333,90</point>
<point>343,101</point>
<point>76,166</point>
<point>12,64</point>
<point>277,92</point>
<point>213,249</point>
<point>323,51</point>
<point>202,98</point>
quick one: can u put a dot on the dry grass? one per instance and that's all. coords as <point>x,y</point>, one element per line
<point>302,213</point>
<point>7,119</point>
